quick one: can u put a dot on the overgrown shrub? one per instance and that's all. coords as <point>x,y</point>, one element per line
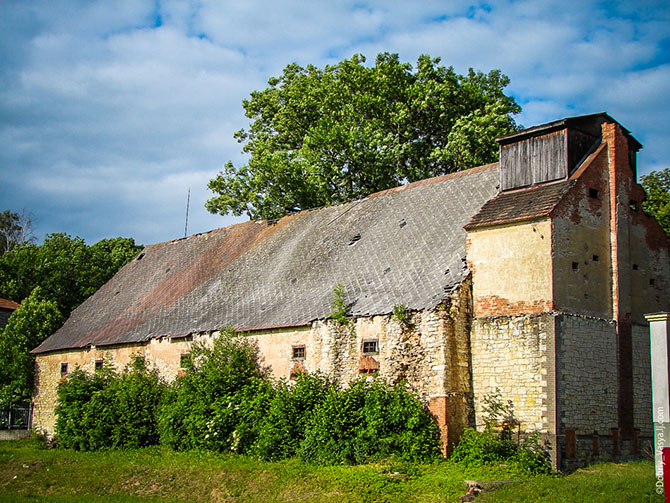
<point>498,444</point>
<point>226,402</point>
<point>74,396</point>
<point>291,407</point>
<point>109,410</point>
<point>204,407</point>
<point>368,421</point>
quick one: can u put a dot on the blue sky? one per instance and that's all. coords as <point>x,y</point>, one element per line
<point>110,111</point>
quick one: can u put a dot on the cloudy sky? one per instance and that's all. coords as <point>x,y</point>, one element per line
<point>110,111</point>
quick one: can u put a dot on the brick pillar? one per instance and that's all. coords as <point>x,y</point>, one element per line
<point>620,178</point>
<point>451,413</point>
<point>438,408</point>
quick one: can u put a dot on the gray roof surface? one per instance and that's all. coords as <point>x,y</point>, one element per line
<point>521,204</point>
<point>404,245</point>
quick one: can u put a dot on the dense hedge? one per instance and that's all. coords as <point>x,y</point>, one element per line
<point>109,410</point>
<point>225,401</point>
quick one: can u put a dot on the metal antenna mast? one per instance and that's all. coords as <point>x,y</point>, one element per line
<point>188,202</point>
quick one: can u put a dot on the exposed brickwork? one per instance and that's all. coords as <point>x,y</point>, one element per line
<point>494,305</point>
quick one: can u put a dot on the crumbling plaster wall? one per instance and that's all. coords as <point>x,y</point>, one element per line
<point>430,354</point>
<point>511,267</point>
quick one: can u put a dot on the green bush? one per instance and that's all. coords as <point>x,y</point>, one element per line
<point>497,445</point>
<point>368,421</point>
<point>225,402</point>
<point>109,410</point>
<point>74,396</point>
<point>283,428</point>
<point>203,408</point>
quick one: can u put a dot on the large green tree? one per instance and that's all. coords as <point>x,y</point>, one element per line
<point>65,268</point>
<point>323,136</point>
<point>29,325</point>
<point>49,281</point>
<point>657,186</point>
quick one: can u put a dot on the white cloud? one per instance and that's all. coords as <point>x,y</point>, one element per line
<point>109,111</point>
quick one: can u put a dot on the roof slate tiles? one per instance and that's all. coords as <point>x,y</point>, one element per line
<point>521,204</point>
<point>411,250</point>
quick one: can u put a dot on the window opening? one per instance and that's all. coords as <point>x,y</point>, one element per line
<point>98,365</point>
<point>575,266</point>
<point>63,368</point>
<point>371,347</point>
<point>633,205</point>
<point>594,193</point>
<point>298,352</point>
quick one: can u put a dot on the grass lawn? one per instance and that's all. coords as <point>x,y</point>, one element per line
<point>30,473</point>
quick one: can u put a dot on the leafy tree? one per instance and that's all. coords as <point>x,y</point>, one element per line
<point>15,229</point>
<point>29,325</point>
<point>65,268</point>
<point>49,281</point>
<point>323,136</point>
<point>657,186</point>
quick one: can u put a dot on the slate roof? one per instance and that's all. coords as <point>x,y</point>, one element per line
<point>404,245</point>
<point>521,204</point>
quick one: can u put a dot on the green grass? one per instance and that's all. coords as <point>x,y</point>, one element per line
<point>606,483</point>
<point>30,473</point>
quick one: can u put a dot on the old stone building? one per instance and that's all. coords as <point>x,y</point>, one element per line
<point>529,276</point>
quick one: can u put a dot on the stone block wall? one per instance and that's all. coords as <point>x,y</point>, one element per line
<point>587,374</point>
<point>642,405</point>
<point>510,353</point>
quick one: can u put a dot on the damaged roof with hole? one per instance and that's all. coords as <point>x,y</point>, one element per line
<point>400,246</point>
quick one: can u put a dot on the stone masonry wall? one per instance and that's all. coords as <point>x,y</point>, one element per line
<point>430,353</point>
<point>587,374</point>
<point>509,353</point>
<point>642,407</point>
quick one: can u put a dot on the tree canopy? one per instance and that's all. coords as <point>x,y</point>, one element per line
<point>657,186</point>
<point>324,136</point>
<point>65,268</point>
<point>49,281</point>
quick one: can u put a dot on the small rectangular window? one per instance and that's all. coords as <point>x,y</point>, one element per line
<point>98,365</point>
<point>636,267</point>
<point>633,205</point>
<point>652,281</point>
<point>596,258</point>
<point>63,369</point>
<point>594,193</point>
<point>298,352</point>
<point>370,347</point>
<point>575,266</point>
<point>185,360</point>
